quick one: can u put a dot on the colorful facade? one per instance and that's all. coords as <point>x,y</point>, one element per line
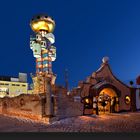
<point>42,44</point>
<point>44,51</point>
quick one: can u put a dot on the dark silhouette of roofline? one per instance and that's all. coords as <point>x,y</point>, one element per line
<point>6,78</point>
<point>106,64</point>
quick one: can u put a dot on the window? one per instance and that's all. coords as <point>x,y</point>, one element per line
<point>24,85</point>
<point>1,83</point>
<point>17,85</point>
<point>13,84</point>
<point>127,99</point>
<point>6,84</point>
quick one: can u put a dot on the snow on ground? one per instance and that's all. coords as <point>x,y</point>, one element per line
<point>122,122</point>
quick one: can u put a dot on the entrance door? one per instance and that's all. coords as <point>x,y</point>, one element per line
<point>104,103</point>
<point>107,101</point>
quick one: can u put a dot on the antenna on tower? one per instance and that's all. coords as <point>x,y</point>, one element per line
<point>66,79</point>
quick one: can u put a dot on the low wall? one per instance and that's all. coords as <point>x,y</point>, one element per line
<point>65,106</point>
<point>23,106</point>
<point>32,106</point>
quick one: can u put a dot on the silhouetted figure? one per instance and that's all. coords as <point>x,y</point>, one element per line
<point>104,104</point>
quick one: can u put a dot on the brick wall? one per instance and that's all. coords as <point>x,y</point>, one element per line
<point>65,106</point>
<point>23,106</point>
<point>31,106</point>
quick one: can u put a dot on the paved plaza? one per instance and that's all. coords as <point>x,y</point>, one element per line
<point>122,122</point>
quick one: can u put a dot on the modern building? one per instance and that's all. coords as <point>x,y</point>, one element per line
<point>13,86</point>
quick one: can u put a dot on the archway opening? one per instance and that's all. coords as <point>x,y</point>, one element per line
<point>107,101</point>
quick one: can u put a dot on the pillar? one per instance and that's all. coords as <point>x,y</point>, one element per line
<point>49,103</point>
<point>133,99</point>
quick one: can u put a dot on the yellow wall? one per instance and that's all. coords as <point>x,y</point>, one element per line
<point>15,88</point>
<point>30,91</point>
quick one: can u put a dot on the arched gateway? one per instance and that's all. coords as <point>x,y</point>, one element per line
<point>106,98</point>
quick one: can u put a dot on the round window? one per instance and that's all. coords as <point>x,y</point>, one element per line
<point>127,99</point>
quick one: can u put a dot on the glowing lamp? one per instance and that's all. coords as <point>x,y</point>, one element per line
<point>87,100</point>
<point>40,66</point>
<point>127,100</point>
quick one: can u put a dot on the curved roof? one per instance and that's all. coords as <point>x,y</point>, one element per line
<point>106,64</point>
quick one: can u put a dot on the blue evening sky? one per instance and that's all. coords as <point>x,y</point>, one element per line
<point>86,31</point>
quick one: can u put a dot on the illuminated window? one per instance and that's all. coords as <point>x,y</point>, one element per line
<point>127,99</point>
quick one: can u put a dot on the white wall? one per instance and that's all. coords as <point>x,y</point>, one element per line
<point>138,98</point>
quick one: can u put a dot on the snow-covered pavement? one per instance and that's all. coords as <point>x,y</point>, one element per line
<point>124,122</point>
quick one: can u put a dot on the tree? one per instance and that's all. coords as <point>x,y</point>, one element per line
<point>131,83</point>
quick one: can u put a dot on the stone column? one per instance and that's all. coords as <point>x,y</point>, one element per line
<point>49,104</point>
<point>117,105</point>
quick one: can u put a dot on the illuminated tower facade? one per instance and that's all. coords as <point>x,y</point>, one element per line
<point>42,45</point>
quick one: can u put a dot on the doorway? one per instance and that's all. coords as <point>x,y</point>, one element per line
<point>107,101</point>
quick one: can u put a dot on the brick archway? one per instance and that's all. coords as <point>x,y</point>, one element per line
<point>113,93</point>
<point>96,92</point>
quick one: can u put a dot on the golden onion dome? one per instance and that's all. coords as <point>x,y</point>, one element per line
<point>42,22</point>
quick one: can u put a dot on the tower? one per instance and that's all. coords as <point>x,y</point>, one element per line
<point>42,43</point>
<point>44,51</point>
<point>42,46</point>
